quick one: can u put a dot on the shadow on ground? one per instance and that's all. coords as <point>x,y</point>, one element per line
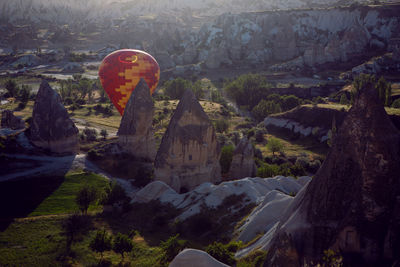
<point>19,198</point>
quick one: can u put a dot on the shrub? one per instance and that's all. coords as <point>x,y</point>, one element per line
<point>254,259</point>
<point>90,134</point>
<point>259,135</point>
<point>175,88</point>
<point>12,88</point>
<point>221,126</point>
<point>314,165</point>
<point>113,194</point>
<point>75,225</point>
<point>267,170</point>
<point>104,133</point>
<point>226,158</point>
<point>344,100</point>
<point>396,103</point>
<point>289,102</point>
<point>221,253</point>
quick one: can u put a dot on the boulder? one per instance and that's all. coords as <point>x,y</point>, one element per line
<point>135,133</point>
<point>51,126</point>
<point>352,204</point>
<point>243,164</point>
<point>189,151</point>
<point>195,258</point>
<point>9,120</point>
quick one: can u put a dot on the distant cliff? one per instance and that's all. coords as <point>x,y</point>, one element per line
<point>181,39</point>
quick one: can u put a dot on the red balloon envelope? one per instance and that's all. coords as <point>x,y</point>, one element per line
<point>121,71</point>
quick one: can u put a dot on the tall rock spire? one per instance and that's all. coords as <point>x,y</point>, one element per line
<point>189,152</point>
<point>51,126</point>
<point>135,133</point>
<point>353,203</point>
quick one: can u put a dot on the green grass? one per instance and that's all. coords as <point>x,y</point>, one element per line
<point>294,148</point>
<point>31,243</point>
<point>62,200</point>
<point>40,241</point>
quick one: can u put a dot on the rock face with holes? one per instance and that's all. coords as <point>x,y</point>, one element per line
<point>9,120</point>
<point>135,134</point>
<point>189,152</point>
<point>51,126</point>
<point>353,203</point>
<point>243,164</point>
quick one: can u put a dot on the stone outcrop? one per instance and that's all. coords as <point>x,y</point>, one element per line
<point>52,128</point>
<point>352,206</point>
<point>195,258</point>
<point>243,164</point>
<point>9,120</point>
<point>135,133</point>
<point>189,152</point>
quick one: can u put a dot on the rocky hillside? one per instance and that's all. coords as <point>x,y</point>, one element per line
<point>352,204</point>
<point>48,10</point>
<point>315,121</point>
<point>180,39</point>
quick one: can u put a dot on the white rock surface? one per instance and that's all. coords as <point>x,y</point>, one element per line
<point>265,216</point>
<point>195,258</point>
<point>254,191</point>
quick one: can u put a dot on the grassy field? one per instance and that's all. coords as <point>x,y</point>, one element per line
<point>37,238</point>
<point>62,200</point>
<point>40,241</point>
<point>295,148</point>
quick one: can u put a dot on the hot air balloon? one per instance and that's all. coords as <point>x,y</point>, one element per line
<point>121,71</point>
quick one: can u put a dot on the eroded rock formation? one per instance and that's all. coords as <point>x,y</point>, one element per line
<point>189,152</point>
<point>195,258</point>
<point>135,134</point>
<point>243,164</point>
<point>51,126</point>
<point>9,120</point>
<point>352,205</point>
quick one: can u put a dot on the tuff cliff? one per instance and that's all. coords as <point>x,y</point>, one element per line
<point>189,153</point>
<point>352,204</point>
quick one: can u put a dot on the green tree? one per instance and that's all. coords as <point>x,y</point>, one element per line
<point>175,88</point>
<point>248,89</point>
<point>274,145</point>
<point>75,225</point>
<point>289,102</point>
<point>226,158</point>
<point>87,195</point>
<point>265,108</point>
<point>121,244</point>
<point>221,253</point>
<point>12,88</point>
<point>101,242</point>
<point>198,89</point>
<point>171,248</point>
<point>24,93</point>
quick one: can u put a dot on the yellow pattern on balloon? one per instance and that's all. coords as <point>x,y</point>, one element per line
<point>133,77</point>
